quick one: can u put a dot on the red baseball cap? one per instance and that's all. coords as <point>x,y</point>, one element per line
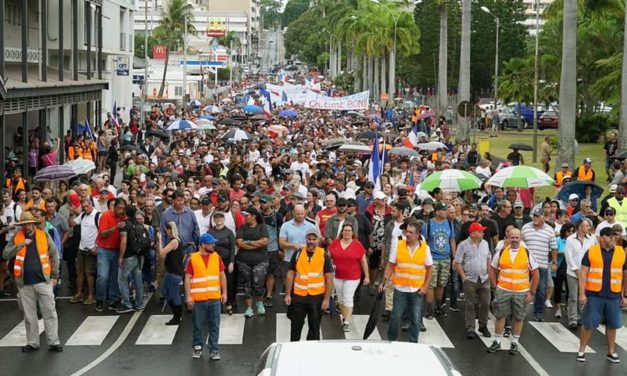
<point>74,200</point>
<point>476,226</point>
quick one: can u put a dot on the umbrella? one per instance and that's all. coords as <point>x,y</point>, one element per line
<point>520,177</point>
<point>375,117</point>
<point>181,124</point>
<point>259,117</point>
<point>239,117</point>
<point>130,147</point>
<point>352,113</point>
<point>421,134</point>
<point>207,127</point>
<point>252,109</point>
<point>426,115</point>
<point>227,100</point>
<point>228,121</point>
<point>201,122</point>
<point>195,103</point>
<point>213,109</point>
<point>208,117</point>
<point>451,180</point>
<point>56,172</point>
<point>335,143</point>
<point>409,104</point>
<point>370,135</point>
<point>157,132</point>
<point>81,166</point>
<point>621,156</point>
<point>359,149</point>
<point>288,114</point>
<point>404,151</point>
<point>371,325</point>
<point>431,146</point>
<point>579,187</point>
<point>521,147</point>
<point>236,135</point>
<point>278,129</point>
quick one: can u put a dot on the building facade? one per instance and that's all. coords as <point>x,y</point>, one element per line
<point>530,14</point>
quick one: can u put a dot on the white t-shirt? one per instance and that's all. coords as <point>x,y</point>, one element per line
<point>396,232</point>
<point>531,264</point>
<point>605,224</point>
<point>203,221</point>
<point>11,214</point>
<point>484,171</point>
<point>89,229</point>
<point>302,167</point>
<point>428,262</point>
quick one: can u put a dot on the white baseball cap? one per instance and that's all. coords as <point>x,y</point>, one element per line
<point>379,195</point>
<point>573,196</point>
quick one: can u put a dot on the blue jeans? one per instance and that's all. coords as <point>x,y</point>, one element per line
<point>171,288</point>
<point>538,305</point>
<point>131,266</point>
<point>411,302</point>
<point>107,289</point>
<point>207,310</point>
<point>148,266</point>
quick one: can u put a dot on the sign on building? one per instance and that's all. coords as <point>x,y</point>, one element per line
<point>159,52</point>
<point>216,28</point>
<point>122,68</point>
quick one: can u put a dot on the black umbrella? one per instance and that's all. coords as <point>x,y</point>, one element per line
<point>371,325</point>
<point>370,135</point>
<point>359,122</point>
<point>239,117</point>
<point>258,117</point>
<point>621,156</point>
<point>521,147</point>
<point>130,147</point>
<point>228,121</point>
<point>157,132</point>
<point>335,143</point>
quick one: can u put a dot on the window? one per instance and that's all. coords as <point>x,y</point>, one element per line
<point>178,90</point>
<point>14,13</point>
<point>122,41</point>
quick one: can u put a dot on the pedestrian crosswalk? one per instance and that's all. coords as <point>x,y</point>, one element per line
<point>96,329</point>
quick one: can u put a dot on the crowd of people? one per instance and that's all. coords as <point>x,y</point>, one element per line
<point>289,212</point>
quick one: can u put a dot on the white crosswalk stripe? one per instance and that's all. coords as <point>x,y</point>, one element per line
<point>434,335</point>
<point>621,336</point>
<point>559,336</point>
<point>232,329</point>
<point>505,342</point>
<point>283,328</point>
<point>93,331</point>
<point>156,332</point>
<point>358,327</point>
<point>17,336</point>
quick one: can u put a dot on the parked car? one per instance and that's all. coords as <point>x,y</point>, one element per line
<point>363,358</point>
<point>526,111</point>
<point>509,118</point>
<point>549,120</point>
<point>483,103</point>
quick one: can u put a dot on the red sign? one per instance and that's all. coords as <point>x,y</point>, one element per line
<point>216,33</point>
<point>222,57</point>
<point>159,52</point>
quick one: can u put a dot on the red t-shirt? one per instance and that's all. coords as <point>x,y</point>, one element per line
<point>189,269</point>
<point>108,220</point>
<point>323,216</point>
<point>347,261</point>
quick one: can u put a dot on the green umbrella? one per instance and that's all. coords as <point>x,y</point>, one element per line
<point>520,177</point>
<point>451,180</point>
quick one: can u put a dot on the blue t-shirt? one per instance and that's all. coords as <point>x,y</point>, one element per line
<point>439,237</point>
<point>605,286</point>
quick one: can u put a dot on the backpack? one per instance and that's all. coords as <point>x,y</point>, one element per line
<point>138,239</point>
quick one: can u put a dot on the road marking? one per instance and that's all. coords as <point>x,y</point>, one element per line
<point>358,327</point>
<point>17,336</point>
<point>118,342</point>
<point>232,329</point>
<point>283,329</point>
<point>559,336</point>
<point>15,299</point>
<point>156,332</point>
<point>505,342</point>
<point>434,335</point>
<point>621,336</point>
<point>93,331</point>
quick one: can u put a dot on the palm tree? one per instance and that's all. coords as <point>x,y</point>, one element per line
<point>568,85</point>
<point>171,29</point>
<point>463,129</point>
<point>443,59</point>
<point>622,125</point>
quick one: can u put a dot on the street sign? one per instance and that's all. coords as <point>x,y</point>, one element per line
<point>384,97</point>
<point>464,108</point>
<point>122,66</point>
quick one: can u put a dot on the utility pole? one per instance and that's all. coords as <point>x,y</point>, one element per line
<point>145,83</point>
<point>185,67</point>
<point>535,86</point>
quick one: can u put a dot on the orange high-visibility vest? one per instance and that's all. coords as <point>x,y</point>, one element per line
<point>583,175</point>
<point>410,270</point>
<point>41,241</point>
<point>559,177</point>
<point>595,273</point>
<point>514,276</point>
<point>206,279</point>
<point>309,279</point>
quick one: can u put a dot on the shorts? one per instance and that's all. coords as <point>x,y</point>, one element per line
<point>275,264</point>
<point>509,303</point>
<point>103,153</point>
<point>253,277</point>
<point>345,290</point>
<point>85,263</point>
<point>441,270</point>
<point>374,260</point>
<point>600,309</point>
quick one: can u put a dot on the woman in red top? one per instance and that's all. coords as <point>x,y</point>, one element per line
<point>349,257</point>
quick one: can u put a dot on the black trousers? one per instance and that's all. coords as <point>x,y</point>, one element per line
<point>297,311</point>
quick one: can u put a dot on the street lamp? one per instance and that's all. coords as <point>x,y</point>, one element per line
<point>535,86</point>
<point>496,58</point>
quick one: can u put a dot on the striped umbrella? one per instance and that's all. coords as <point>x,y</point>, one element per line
<point>55,172</point>
<point>213,109</point>
<point>235,135</point>
<point>181,124</point>
<point>81,166</point>
<point>520,177</point>
<point>451,180</point>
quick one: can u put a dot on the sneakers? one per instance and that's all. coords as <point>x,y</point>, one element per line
<point>508,331</point>
<point>55,348</point>
<point>581,357</point>
<point>123,309</point>
<point>558,313</point>
<point>249,312</point>
<point>494,347</point>
<point>572,326</point>
<point>214,355</point>
<point>454,309</point>
<point>485,332</point>
<point>197,352</point>
<point>613,358</point>
<point>261,310</point>
<point>89,301</point>
<point>268,302</point>
<point>538,319</point>
<point>386,314</point>
<point>29,349</point>
<point>513,349</point>
<point>471,335</point>
<point>548,304</point>
<point>405,326</point>
<point>100,306</point>
<point>346,327</point>
<point>113,306</point>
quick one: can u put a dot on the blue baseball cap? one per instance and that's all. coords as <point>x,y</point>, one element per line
<point>207,239</point>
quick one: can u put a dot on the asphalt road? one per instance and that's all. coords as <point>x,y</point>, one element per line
<point>140,344</point>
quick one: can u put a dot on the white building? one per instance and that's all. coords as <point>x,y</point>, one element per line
<point>59,65</point>
<point>530,14</point>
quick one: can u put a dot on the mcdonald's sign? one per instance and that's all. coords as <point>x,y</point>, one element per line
<point>159,52</point>
<point>216,28</point>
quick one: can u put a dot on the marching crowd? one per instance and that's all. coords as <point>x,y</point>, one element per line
<point>290,218</point>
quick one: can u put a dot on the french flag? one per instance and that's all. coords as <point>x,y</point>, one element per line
<point>413,136</point>
<point>374,169</point>
<point>88,132</point>
<point>285,99</point>
<point>267,103</point>
<point>282,76</point>
<point>114,117</point>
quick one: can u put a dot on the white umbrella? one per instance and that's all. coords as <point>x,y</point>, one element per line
<point>213,109</point>
<point>359,149</point>
<point>81,166</point>
<point>431,146</point>
<point>181,124</point>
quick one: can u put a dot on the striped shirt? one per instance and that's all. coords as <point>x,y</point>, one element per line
<point>540,242</point>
